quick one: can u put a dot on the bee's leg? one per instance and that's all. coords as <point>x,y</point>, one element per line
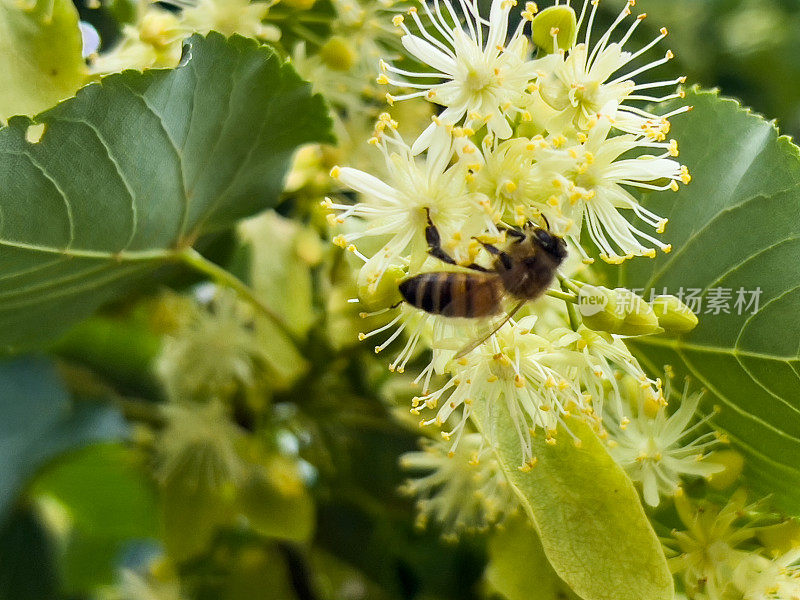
<point>515,233</point>
<point>435,246</point>
<point>494,251</point>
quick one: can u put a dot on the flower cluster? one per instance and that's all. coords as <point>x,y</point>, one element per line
<point>532,125</point>
<point>658,449</point>
<point>548,126</point>
<point>463,491</point>
<point>154,39</point>
<point>721,555</point>
<point>215,353</point>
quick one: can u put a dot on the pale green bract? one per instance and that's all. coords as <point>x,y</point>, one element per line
<point>518,568</point>
<point>736,227</point>
<point>588,515</point>
<point>40,55</point>
<point>134,169</point>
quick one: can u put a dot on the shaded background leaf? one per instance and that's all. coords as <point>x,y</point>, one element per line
<point>101,499</point>
<point>518,568</point>
<point>137,167</point>
<point>39,422</point>
<point>735,227</point>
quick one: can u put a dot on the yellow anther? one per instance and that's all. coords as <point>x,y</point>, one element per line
<point>673,148</point>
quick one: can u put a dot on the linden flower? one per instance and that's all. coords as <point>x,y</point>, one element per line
<point>154,41</point>
<point>760,578</point>
<point>396,209</point>
<point>587,80</point>
<point>509,176</point>
<point>580,183</point>
<point>341,88</point>
<point>445,336</point>
<point>483,74</point>
<point>216,353</point>
<point>595,361</point>
<point>156,38</point>
<point>709,550</point>
<point>593,192</point>
<point>198,446</point>
<point>228,17</point>
<point>462,490</point>
<point>656,449</point>
<point>366,28</point>
<point>512,368</point>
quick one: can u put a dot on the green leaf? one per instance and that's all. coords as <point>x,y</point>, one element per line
<point>38,423</point>
<point>588,515</point>
<point>108,501</point>
<point>120,349</point>
<point>40,55</point>
<point>518,568</point>
<point>131,171</point>
<point>735,227</point>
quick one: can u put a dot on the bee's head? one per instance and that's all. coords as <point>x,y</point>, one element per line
<point>555,246</point>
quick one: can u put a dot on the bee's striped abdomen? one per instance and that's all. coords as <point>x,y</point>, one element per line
<point>454,294</point>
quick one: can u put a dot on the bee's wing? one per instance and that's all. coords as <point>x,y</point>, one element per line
<point>475,343</point>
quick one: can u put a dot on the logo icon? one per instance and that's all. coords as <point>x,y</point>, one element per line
<point>591,300</point>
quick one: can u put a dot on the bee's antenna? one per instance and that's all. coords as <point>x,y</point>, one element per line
<point>546,222</point>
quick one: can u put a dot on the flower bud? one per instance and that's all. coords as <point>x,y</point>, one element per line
<point>673,315</point>
<point>641,398</point>
<point>618,311</point>
<point>159,28</point>
<point>338,54</point>
<point>557,22</point>
<point>375,293</point>
<point>732,464</point>
<point>598,308</point>
<point>639,316</point>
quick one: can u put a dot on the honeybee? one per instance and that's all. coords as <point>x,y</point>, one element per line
<point>523,270</point>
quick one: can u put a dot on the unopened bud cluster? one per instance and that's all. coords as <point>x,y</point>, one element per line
<point>622,312</point>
